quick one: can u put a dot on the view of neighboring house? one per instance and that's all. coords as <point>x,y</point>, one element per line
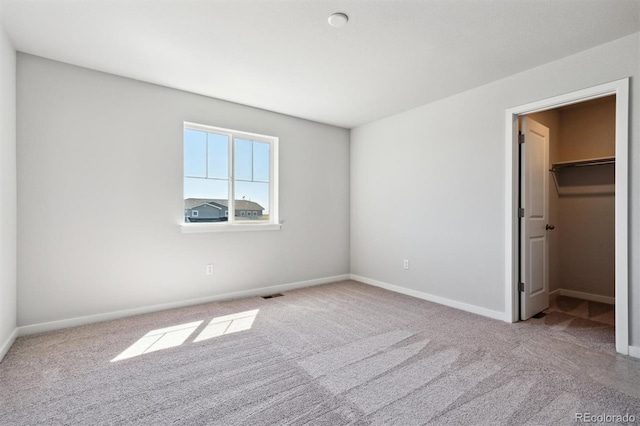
<point>217,210</point>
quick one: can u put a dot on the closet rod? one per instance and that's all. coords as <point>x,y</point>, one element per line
<point>583,163</point>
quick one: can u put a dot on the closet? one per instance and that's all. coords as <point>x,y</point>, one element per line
<point>582,199</point>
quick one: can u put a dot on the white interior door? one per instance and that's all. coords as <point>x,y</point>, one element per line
<point>534,199</point>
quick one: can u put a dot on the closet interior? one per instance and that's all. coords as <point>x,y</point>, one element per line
<point>582,204</point>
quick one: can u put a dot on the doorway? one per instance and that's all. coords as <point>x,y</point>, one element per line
<point>514,236</point>
<point>568,226</point>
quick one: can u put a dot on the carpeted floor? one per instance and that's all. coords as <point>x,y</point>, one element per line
<point>332,354</point>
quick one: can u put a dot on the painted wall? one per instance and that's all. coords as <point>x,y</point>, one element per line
<point>587,219</point>
<point>445,162</point>
<point>551,120</point>
<point>7,190</point>
<point>588,130</point>
<point>92,147</point>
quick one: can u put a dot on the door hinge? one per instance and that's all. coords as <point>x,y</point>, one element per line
<point>520,137</point>
<point>520,212</point>
<point>520,286</point>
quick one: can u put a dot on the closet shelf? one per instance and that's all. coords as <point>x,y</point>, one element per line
<point>583,163</point>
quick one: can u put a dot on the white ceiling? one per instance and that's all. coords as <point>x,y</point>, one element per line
<point>281,55</point>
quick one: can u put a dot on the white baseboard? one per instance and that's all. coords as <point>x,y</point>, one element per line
<point>553,294</point>
<point>8,343</point>
<point>108,316</point>
<point>634,351</point>
<point>431,298</point>
<point>585,296</point>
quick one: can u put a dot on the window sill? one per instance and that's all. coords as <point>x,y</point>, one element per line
<point>191,228</point>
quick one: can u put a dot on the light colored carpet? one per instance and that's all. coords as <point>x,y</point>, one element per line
<point>343,353</point>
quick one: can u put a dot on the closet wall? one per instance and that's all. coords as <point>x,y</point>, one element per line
<point>587,201</point>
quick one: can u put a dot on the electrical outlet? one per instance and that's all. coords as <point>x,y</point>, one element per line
<point>405,264</point>
<point>210,269</point>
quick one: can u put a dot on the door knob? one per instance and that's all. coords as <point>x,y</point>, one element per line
<point>550,227</point>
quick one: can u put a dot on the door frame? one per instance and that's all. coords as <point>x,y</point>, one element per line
<point>620,88</point>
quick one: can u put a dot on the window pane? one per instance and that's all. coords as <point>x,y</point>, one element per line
<point>218,156</point>
<point>252,196</point>
<point>261,161</point>
<point>243,159</point>
<point>209,197</point>
<point>195,153</point>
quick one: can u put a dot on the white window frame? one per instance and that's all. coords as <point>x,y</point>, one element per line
<point>231,225</point>
<point>194,213</point>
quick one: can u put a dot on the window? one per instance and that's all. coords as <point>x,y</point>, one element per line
<point>194,213</point>
<point>231,170</point>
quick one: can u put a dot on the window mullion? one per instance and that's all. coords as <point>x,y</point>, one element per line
<point>232,195</point>
<point>206,156</point>
<point>273,215</point>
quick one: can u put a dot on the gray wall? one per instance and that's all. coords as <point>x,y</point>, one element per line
<point>446,160</point>
<point>7,189</point>
<point>206,212</point>
<point>92,145</point>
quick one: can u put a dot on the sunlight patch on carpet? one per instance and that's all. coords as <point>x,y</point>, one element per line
<point>228,324</point>
<point>170,337</point>
<point>159,339</point>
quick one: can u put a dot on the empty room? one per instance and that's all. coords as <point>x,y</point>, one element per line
<point>387,212</point>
